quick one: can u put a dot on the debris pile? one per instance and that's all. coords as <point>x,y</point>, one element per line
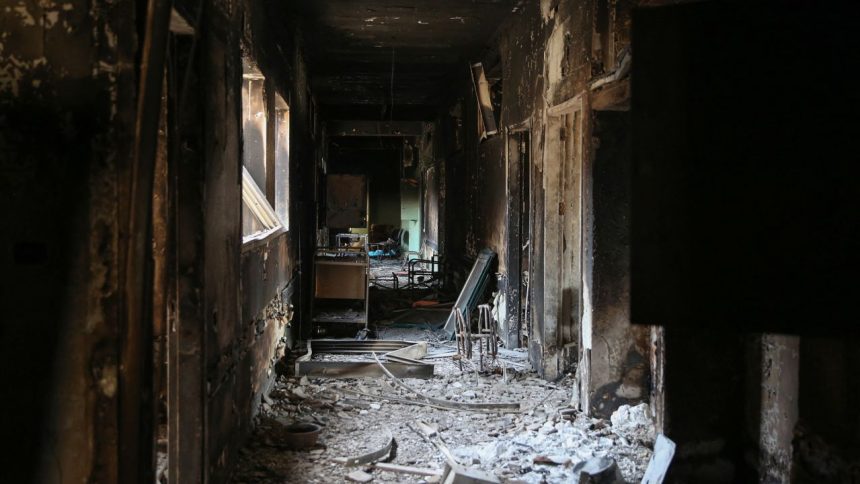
<point>411,440</point>
<point>635,423</point>
<point>545,447</point>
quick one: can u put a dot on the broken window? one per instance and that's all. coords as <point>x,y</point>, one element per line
<point>264,181</point>
<point>254,118</point>
<point>602,39</point>
<point>259,220</point>
<point>486,117</point>
<point>282,160</point>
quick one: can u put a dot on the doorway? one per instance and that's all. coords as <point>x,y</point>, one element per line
<point>561,248</point>
<point>515,332</point>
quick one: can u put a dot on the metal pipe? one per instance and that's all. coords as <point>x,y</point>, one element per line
<point>136,459</point>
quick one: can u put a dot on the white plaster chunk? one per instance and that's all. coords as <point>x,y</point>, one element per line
<point>634,422</point>
<point>359,476</point>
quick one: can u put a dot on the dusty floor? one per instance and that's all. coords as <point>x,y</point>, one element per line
<point>384,270</point>
<point>538,444</point>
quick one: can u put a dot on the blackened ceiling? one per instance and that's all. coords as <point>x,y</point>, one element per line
<point>393,59</point>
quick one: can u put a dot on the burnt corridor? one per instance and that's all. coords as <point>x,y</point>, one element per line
<point>459,241</point>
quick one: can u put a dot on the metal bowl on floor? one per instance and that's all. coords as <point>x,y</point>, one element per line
<point>301,435</point>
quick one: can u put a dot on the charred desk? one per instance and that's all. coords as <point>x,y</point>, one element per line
<point>341,282</point>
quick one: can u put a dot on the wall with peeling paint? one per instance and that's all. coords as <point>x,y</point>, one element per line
<point>67,110</point>
<point>270,283</point>
<point>619,350</point>
<point>66,121</point>
<point>549,53</point>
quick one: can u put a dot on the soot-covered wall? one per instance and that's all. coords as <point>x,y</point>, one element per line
<point>270,281</point>
<point>68,89</point>
<point>379,160</point>
<point>67,94</point>
<point>560,58</point>
<point>555,59</point>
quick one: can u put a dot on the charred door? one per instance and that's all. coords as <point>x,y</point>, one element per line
<point>346,201</point>
<point>515,331</point>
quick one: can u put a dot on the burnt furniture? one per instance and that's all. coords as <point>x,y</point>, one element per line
<point>341,282</point>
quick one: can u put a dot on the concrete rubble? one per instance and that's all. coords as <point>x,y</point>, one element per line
<point>634,422</point>
<point>539,444</point>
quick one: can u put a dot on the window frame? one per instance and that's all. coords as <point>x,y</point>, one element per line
<point>281,172</point>
<point>253,195</point>
<point>256,201</point>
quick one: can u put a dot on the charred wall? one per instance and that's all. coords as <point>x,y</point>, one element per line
<point>490,207</point>
<point>221,150</point>
<point>552,54</point>
<point>549,54</point>
<point>827,437</point>
<point>67,91</point>
<point>459,158</point>
<point>68,86</point>
<point>269,280</point>
<point>380,161</point>
<point>235,301</point>
<point>619,359</point>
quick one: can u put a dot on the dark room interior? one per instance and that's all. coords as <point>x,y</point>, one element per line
<point>429,241</point>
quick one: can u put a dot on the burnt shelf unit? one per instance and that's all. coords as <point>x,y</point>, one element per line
<point>341,281</point>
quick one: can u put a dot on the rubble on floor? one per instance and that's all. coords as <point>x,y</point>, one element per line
<point>538,444</point>
<point>385,271</point>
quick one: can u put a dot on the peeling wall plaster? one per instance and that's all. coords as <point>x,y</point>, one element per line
<point>544,53</point>
<point>64,142</point>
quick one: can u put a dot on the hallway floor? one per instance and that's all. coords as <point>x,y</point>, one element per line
<point>541,443</point>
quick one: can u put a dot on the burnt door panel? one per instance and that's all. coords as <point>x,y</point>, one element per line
<point>346,201</point>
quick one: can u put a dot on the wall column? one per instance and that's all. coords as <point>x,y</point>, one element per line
<point>620,351</point>
<point>780,365</point>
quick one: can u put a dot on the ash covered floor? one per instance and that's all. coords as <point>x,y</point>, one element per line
<point>541,443</point>
<point>385,270</point>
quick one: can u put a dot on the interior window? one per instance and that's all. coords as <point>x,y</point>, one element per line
<point>282,160</point>
<point>260,220</point>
